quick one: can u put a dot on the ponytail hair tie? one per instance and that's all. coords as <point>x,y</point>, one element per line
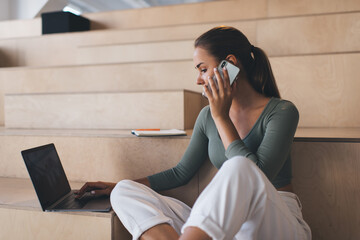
<point>252,48</point>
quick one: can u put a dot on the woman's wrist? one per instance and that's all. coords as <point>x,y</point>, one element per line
<point>227,130</point>
<point>144,181</point>
<point>221,119</point>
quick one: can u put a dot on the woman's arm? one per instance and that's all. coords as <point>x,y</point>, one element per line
<point>279,131</point>
<point>144,181</point>
<point>191,161</point>
<point>195,154</point>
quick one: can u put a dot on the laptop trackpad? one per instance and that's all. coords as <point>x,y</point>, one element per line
<point>101,204</point>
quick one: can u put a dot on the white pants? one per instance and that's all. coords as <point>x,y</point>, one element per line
<point>239,203</point>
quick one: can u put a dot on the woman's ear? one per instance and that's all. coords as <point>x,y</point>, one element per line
<point>232,59</point>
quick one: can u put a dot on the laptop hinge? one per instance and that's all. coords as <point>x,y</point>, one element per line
<point>60,200</point>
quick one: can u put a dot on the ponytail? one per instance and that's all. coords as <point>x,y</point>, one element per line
<point>262,77</point>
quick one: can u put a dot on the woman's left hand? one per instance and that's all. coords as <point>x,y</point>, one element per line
<point>220,98</point>
<point>96,189</point>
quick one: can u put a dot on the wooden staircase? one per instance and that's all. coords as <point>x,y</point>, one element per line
<point>84,92</point>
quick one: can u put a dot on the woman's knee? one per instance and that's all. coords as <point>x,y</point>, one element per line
<point>120,189</point>
<point>239,163</point>
<point>244,171</point>
<point>241,169</point>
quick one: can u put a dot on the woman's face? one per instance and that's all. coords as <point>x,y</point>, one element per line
<point>204,64</point>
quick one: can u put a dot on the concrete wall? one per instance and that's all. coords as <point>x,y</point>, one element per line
<point>28,9</point>
<point>4,10</point>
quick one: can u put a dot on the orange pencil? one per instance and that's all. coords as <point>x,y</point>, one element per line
<point>148,129</point>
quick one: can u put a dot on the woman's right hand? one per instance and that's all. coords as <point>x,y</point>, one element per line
<point>220,98</point>
<point>96,189</point>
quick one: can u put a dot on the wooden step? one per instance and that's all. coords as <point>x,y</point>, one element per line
<point>327,134</point>
<point>25,52</point>
<point>114,77</point>
<point>21,217</point>
<point>120,154</point>
<point>131,53</point>
<point>311,82</point>
<point>20,28</point>
<point>118,110</point>
<point>326,179</point>
<point>315,154</point>
<point>174,14</point>
<point>230,10</point>
<point>327,182</point>
<point>139,18</point>
<point>158,34</point>
<point>324,88</point>
<point>318,136</point>
<point>294,36</point>
<point>20,207</point>
<point>308,7</point>
<point>299,36</point>
<point>333,33</point>
<point>216,11</point>
<point>278,37</point>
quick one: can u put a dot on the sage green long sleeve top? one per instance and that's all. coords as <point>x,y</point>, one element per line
<point>267,144</point>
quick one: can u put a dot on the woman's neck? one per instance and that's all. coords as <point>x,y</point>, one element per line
<point>247,99</point>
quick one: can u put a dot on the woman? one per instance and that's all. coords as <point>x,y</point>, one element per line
<point>247,132</point>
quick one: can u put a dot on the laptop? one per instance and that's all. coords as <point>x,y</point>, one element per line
<point>52,186</point>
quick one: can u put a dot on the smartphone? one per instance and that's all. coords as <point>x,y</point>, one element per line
<point>233,71</point>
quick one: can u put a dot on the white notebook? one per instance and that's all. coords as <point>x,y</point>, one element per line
<point>154,133</point>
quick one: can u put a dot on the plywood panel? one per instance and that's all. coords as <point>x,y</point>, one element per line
<point>192,106</point>
<point>20,194</point>
<point>295,36</point>
<point>304,7</point>
<point>142,52</point>
<point>114,77</point>
<point>174,15</point>
<point>278,37</point>
<point>324,88</point>
<point>180,32</point>
<point>2,94</point>
<point>126,110</point>
<point>327,181</point>
<point>119,232</point>
<point>20,28</point>
<point>217,11</point>
<point>47,50</point>
<point>206,174</point>
<point>187,193</point>
<point>8,54</point>
<point>310,34</point>
<point>112,148</point>
<point>61,49</point>
<point>95,157</point>
<point>25,224</point>
<point>327,134</point>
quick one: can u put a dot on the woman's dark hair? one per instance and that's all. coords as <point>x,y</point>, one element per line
<point>222,41</point>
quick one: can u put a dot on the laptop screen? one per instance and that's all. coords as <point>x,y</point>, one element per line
<point>46,173</point>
